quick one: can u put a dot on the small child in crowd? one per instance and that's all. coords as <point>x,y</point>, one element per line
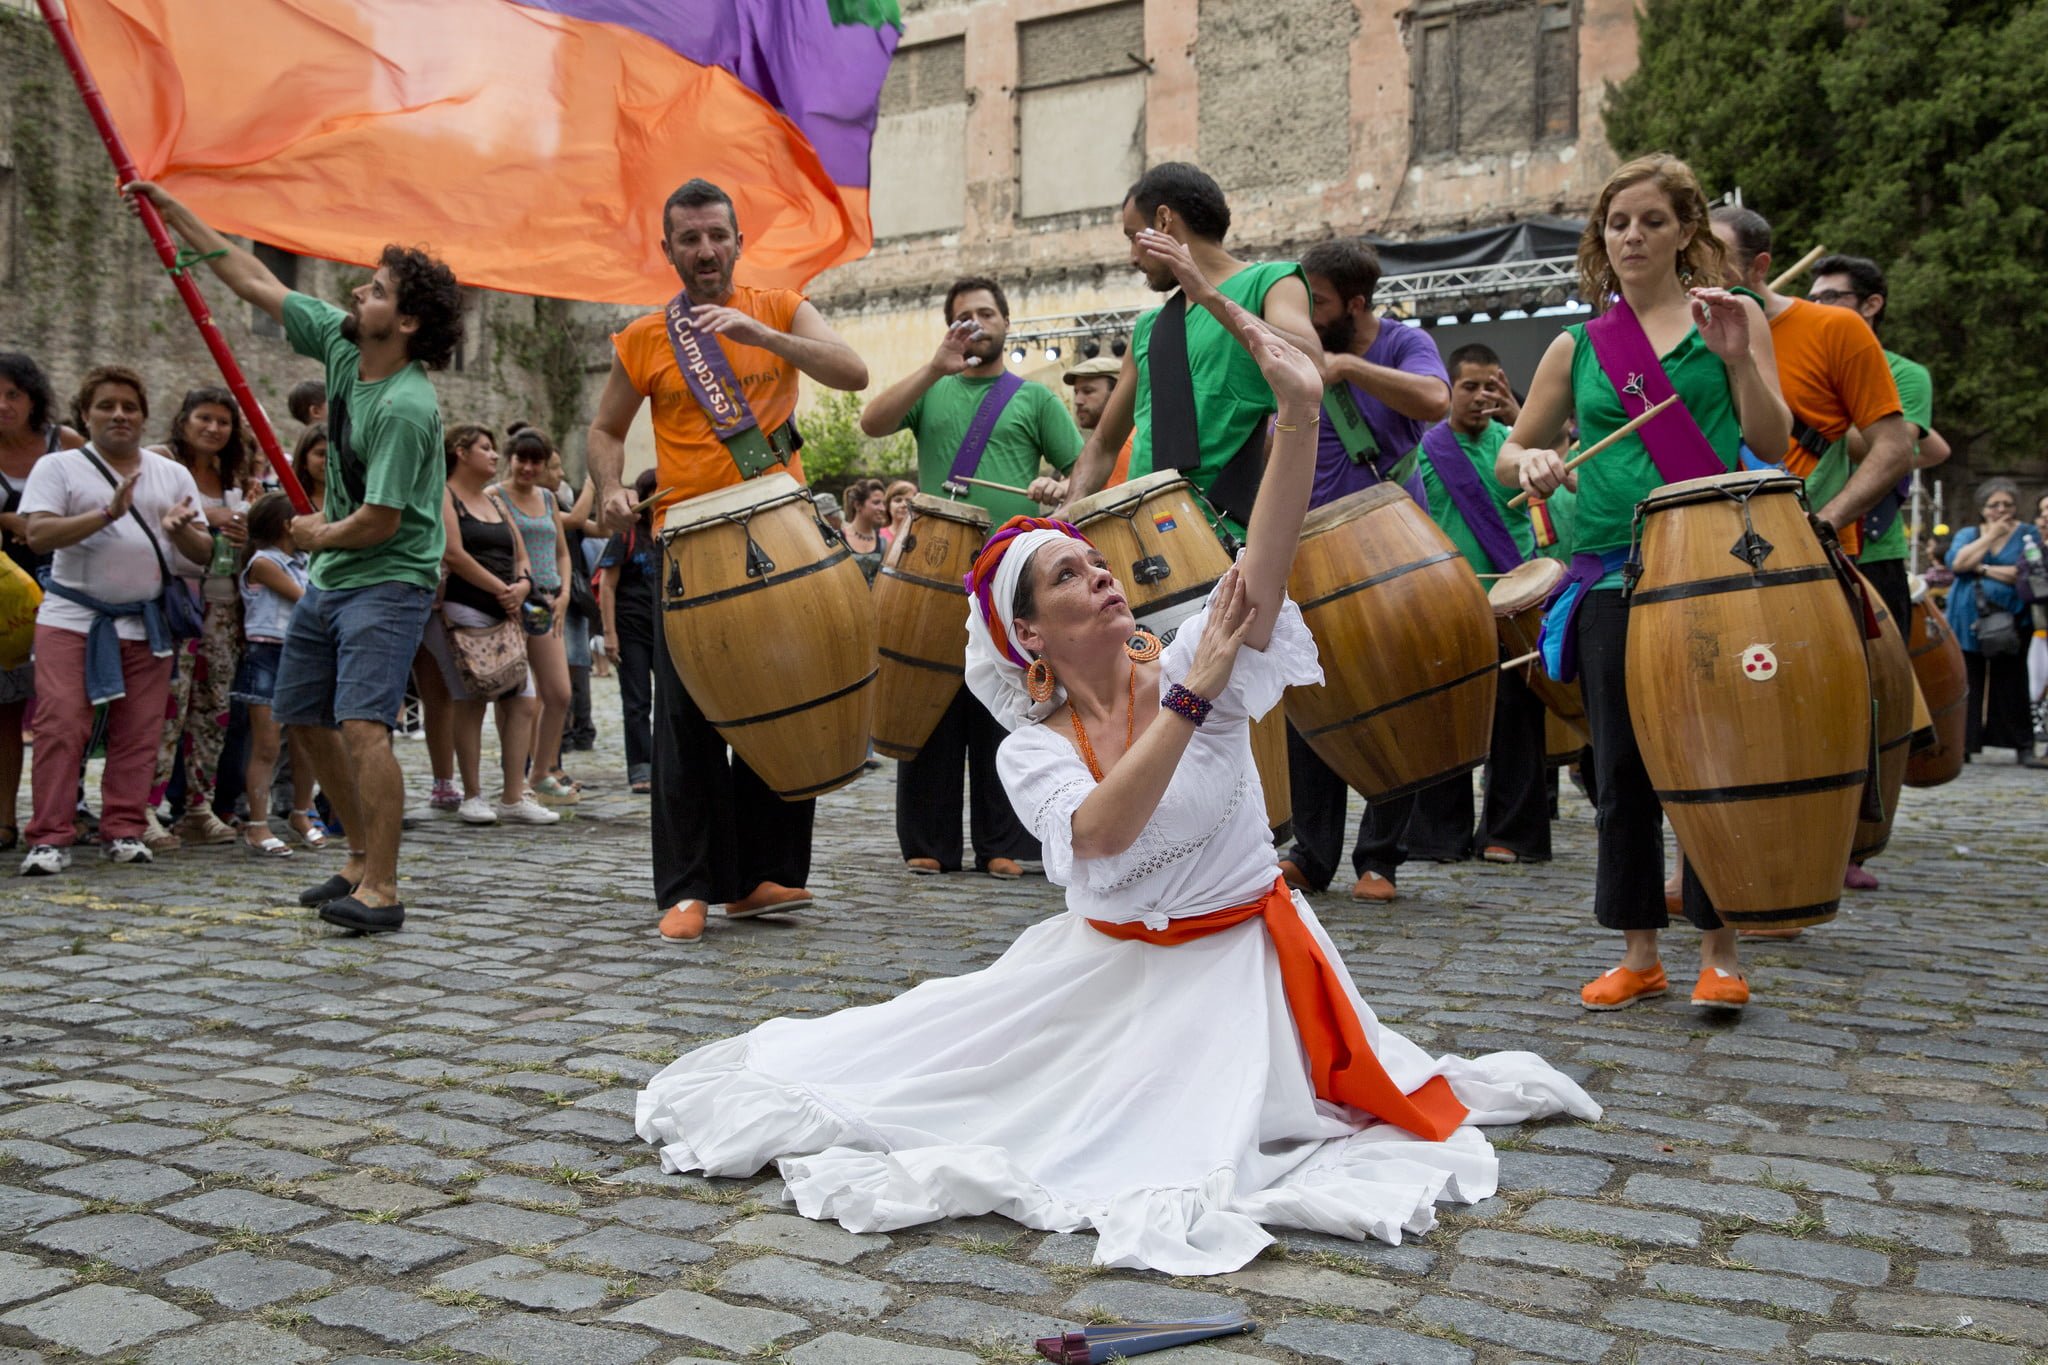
<point>272,581</point>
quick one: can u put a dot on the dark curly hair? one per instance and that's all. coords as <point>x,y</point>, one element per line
<point>232,454</point>
<point>1189,191</point>
<point>461,438</point>
<point>23,372</point>
<point>968,284</point>
<point>429,294</point>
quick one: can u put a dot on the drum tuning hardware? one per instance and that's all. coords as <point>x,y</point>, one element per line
<point>758,562</point>
<point>675,581</point>
<point>1151,569</point>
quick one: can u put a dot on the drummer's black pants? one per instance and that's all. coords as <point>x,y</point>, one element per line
<point>719,831</point>
<point>928,792</point>
<point>1628,875</point>
<point>1436,823</point>
<point>1889,578</point>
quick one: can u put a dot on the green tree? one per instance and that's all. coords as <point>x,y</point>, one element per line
<point>1914,132</point>
<point>836,453</point>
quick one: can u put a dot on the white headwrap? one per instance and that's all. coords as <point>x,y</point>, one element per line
<point>994,676</point>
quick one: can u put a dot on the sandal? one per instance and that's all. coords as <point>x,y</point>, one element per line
<point>641,788</point>
<point>270,847</point>
<point>314,835</point>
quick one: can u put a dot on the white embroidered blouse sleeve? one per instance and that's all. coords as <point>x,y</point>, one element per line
<point>1260,676</point>
<point>1047,783</point>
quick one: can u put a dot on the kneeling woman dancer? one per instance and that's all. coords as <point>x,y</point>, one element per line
<point>1181,1057</point>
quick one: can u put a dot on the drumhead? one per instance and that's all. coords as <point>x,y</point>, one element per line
<point>1122,496</point>
<point>925,505</point>
<point>1351,505</point>
<point>1715,487</point>
<point>750,496</point>
<point>1526,586</point>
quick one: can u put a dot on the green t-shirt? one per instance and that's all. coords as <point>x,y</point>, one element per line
<point>1916,404</point>
<point>394,434</point>
<point>1480,450</point>
<point>1231,396</point>
<point>1613,482</point>
<point>1035,426</point>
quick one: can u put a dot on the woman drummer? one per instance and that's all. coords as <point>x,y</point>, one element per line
<point>1648,242</point>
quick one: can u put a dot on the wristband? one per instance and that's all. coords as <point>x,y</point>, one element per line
<point>107,511</point>
<point>1182,702</point>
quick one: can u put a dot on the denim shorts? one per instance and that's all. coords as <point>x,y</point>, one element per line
<point>348,654</point>
<point>256,679</point>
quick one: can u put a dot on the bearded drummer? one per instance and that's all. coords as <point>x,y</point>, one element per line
<point>720,363</point>
<point>1651,267</point>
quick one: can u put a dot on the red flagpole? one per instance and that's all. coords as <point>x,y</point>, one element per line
<point>167,252</point>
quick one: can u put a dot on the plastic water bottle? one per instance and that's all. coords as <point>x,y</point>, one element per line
<point>220,571</point>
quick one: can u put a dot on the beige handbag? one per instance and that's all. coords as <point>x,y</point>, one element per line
<point>491,659</point>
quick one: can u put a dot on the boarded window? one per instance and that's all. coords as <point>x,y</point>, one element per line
<point>285,266</point>
<point>1080,109</point>
<point>1494,75</point>
<point>919,157</point>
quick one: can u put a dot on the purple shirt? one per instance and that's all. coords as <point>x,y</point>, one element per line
<point>1397,347</point>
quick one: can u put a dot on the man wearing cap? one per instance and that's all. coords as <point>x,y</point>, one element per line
<point>973,419</point>
<point>1092,381</point>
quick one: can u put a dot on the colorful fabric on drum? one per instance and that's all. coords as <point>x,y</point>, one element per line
<point>1341,1063</point>
<point>995,666</point>
<point>1477,499</point>
<point>1677,446</point>
<point>1559,642</point>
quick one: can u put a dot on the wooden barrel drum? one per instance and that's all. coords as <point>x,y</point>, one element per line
<point>772,632</point>
<point>1517,600</point>
<point>1938,667</point>
<point>1156,537</point>
<point>1411,660</point>
<point>921,621</point>
<point>1749,695</point>
<point>1891,688</point>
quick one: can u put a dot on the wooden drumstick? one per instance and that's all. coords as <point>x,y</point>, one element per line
<point>996,487</point>
<point>1531,657</point>
<point>1798,269</point>
<point>1522,499</point>
<point>652,498</point>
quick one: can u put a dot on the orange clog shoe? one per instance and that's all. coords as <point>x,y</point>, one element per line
<point>769,899</point>
<point>1497,853</point>
<point>1720,990</point>
<point>683,923</point>
<point>1004,869</point>
<point>1373,887</point>
<point>922,867</point>
<point>1619,987</point>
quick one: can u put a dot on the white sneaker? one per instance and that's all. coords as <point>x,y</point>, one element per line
<point>526,811</point>
<point>129,851</point>
<point>474,810</point>
<point>45,860</point>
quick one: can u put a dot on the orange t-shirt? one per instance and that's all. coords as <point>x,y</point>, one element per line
<point>1832,372</point>
<point>689,457</point>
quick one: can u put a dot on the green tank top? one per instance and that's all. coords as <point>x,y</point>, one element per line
<point>1615,480</point>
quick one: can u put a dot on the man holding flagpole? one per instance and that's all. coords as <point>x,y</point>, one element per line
<point>376,545</point>
<point>720,834</point>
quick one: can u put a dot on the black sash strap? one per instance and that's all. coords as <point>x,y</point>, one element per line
<point>1176,432</point>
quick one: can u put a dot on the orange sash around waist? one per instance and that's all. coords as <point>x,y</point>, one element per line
<point>1341,1063</point>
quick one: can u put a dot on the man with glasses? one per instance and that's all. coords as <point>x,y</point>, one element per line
<point>1857,284</point>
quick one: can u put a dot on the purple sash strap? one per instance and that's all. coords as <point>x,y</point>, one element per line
<point>968,458</point>
<point>1560,642</point>
<point>1470,496</point>
<point>1677,446</point>
<point>707,372</point>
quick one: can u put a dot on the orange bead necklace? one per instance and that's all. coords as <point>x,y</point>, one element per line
<point>1130,727</point>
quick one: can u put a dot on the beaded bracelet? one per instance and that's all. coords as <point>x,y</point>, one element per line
<point>1182,702</point>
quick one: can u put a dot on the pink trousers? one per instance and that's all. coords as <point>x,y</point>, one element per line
<point>64,722</point>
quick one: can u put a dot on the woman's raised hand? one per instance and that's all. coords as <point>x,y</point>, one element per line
<point>1293,377</point>
<point>1231,613</point>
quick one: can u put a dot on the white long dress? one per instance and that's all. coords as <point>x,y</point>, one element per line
<point>1158,1095</point>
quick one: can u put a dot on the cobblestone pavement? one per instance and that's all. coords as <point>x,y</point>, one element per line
<point>228,1134</point>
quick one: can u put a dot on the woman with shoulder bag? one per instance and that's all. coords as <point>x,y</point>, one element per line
<point>1987,614</point>
<point>109,514</point>
<point>476,641</point>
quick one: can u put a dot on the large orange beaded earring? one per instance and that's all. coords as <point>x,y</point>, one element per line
<point>1143,647</point>
<point>1038,680</point>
